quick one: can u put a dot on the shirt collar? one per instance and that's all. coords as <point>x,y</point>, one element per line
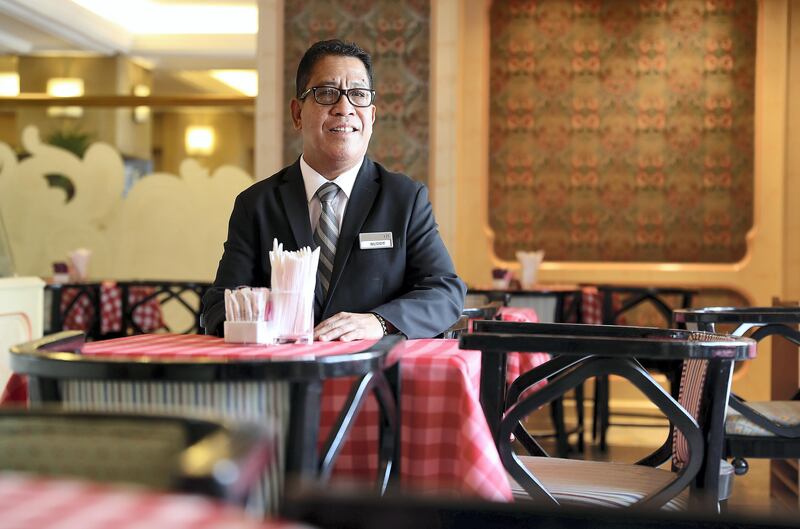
<point>312,180</point>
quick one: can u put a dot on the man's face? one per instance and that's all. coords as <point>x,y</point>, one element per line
<point>335,137</point>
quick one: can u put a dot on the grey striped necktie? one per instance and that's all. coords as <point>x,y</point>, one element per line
<point>326,235</point>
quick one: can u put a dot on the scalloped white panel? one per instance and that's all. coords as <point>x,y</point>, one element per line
<point>168,227</point>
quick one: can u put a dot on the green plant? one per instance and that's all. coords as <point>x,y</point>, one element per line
<point>72,140</point>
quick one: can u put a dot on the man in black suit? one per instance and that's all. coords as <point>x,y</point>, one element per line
<point>383,266</point>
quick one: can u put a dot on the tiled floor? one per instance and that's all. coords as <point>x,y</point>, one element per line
<point>751,492</point>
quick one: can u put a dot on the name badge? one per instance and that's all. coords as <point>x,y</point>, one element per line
<point>373,241</point>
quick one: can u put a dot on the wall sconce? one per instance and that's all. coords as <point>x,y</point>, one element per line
<point>9,84</point>
<point>142,113</point>
<point>200,140</point>
<point>65,87</point>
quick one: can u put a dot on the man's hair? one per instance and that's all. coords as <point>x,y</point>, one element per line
<point>323,48</point>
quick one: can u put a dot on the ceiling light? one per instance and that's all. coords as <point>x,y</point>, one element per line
<point>200,140</point>
<point>141,113</point>
<point>145,17</point>
<point>9,84</point>
<point>65,87</point>
<point>244,81</point>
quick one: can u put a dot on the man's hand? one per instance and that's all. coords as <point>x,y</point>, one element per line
<point>349,326</point>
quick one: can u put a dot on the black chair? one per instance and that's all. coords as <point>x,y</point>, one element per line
<point>767,429</point>
<point>286,393</point>
<point>586,351</point>
<point>187,295</point>
<point>619,303</point>
<point>76,293</point>
<point>486,311</point>
<point>566,303</point>
<point>159,452</point>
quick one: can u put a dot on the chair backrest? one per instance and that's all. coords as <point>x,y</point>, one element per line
<point>556,304</point>
<point>485,311</point>
<point>154,451</point>
<point>179,305</point>
<point>621,302</point>
<point>74,306</point>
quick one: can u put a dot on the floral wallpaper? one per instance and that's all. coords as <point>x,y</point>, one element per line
<point>396,34</point>
<point>622,130</point>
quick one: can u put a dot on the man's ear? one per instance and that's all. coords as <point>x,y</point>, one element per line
<point>374,110</point>
<point>294,108</point>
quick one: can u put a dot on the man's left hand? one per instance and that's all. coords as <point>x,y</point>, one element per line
<point>349,326</point>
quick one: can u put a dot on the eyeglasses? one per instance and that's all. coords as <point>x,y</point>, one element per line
<point>329,95</point>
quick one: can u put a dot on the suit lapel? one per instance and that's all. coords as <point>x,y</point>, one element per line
<point>359,205</point>
<point>295,205</point>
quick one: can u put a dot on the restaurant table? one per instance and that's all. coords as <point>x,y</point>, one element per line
<point>446,445</point>
<point>73,306</point>
<point>28,502</point>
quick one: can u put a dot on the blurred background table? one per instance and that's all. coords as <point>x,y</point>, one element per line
<point>27,502</point>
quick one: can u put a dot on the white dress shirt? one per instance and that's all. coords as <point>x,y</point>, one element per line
<point>313,181</point>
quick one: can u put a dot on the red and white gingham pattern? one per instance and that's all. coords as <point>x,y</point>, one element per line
<point>198,345</point>
<point>591,306</point>
<point>27,502</point>
<point>446,443</point>
<point>147,316</point>
<point>519,363</point>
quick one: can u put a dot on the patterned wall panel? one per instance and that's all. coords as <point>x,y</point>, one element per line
<point>396,33</point>
<point>622,130</point>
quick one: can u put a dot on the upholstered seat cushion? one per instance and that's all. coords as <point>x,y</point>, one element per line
<point>784,413</point>
<point>114,450</point>
<point>596,483</point>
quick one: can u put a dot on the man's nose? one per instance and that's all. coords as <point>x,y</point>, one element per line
<point>344,107</point>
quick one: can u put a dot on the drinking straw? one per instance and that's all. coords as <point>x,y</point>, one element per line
<point>228,306</point>
<point>293,280</point>
<point>234,307</point>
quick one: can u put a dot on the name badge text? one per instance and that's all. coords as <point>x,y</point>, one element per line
<point>373,241</point>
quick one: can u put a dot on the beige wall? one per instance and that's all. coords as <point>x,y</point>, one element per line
<point>101,76</point>
<point>132,138</point>
<point>791,196</point>
<point>234,138</point>
<point>8,129</point>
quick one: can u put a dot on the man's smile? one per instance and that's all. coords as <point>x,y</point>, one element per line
<point>343,129</point>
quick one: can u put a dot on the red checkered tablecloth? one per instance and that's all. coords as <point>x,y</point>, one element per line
<point>521,363</point>
<point>78,318</point>
<point>27,502</point>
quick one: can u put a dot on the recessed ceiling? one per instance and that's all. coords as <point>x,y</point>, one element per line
<point>30,27</point>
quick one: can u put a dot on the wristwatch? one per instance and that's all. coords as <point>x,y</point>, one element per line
<point>382,321</point>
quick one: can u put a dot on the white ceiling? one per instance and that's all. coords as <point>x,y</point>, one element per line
<point>62,26</point>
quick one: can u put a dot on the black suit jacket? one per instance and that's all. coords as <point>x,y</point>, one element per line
<point>412,285</point>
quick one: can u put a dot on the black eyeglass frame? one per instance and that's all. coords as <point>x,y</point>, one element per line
<point>342,91</point>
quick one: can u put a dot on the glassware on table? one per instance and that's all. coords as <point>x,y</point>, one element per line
<point>530,263</point>
<point>293,315</point>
